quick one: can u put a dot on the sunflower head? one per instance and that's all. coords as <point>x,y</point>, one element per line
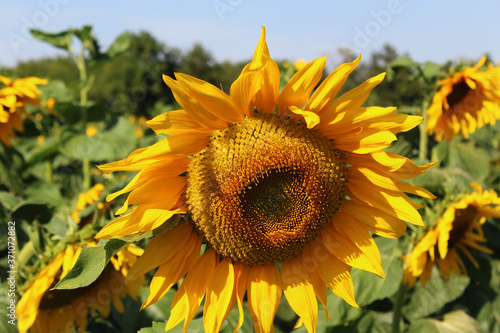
<point>467,100</point>
<point>283,188</point>
<point>13,97</point>
<point>457,233</point>
<point>44,310</point>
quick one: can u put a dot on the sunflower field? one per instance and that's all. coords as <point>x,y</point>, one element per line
<point>143,189</point>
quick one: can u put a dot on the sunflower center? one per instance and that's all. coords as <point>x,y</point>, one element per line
<point>461,223</point>
<point>264,188</point>
<point>458,92</point>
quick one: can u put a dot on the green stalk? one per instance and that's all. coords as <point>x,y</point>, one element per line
<point>398,305</point>
<point>48,171</point>
<point>86,174</point>
<point>423,133</point>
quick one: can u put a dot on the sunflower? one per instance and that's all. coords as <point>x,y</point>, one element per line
<point>278,192</point>
<point>13,98</point>
<point>456,232</point>
<point>467,100</point>
<point>86,199</point>
<point>46,311</point>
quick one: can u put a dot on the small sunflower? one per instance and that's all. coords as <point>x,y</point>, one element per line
<point>86,199</point>
<point>466,101</point>
<point>278,191</point>
<point>46,311</point>
<point>455,233</point>
<point>13,98</point>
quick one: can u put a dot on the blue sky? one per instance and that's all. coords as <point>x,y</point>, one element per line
<point>229,29</point>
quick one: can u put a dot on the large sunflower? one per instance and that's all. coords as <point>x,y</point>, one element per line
<point>281,189</point>
<point>455,233</point>
<point>467,100</point>
<point>49,311</point>
<point>13,98</point>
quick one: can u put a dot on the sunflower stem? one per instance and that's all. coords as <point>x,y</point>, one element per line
<point>423,133</point>
<point>398,305</point>
<point>86,174</point>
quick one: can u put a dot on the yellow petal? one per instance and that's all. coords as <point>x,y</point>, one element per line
<point>297,90</point>
<point>171,271</point>
<point>311,118</point>
<point>299,292</point>
<point>319,289</point>
<point>168,243</point>
<point>241,274</point>
<point>176,122</point>
<point>352,99</point>
<point>377,221</point>
<point>362,140</point>
<point>335,273</point>
<point>263,295</point>
<point>329,88</point>
<point>219,297</point>
<point>211,98</point>
<point>168,188</point>
<point>192,290</point>
<point>193,108</point>
<point>391,202</point>
<point>346,120</point>
<point>347,251</point>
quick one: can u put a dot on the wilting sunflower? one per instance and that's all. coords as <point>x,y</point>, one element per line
<point>282,189</point>
<point>466,101</point>
<point>86,199</point>
<point>457,232</point>
<point>13,98</point>
<point>47,311</point>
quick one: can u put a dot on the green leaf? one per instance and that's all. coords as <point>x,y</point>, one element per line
<point>376,322</point>
<point>8,200</point>
<point>61,40</point>
<point>431,70</point>
<point>120,45</point>
<point>158,327</point>
<point>113,144</point>
<point>434,296</point>
<point>44,192</point>
<point>489,316</point>
<point>42,153</point>
<point>70,112</point>
<point>453,322</point>
<point>90,264</point>
<point>84,34</point>
<point>465,155</point>
<point>403,61</point>
<point>195,325</point>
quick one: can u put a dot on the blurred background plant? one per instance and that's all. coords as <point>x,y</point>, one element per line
<point>91,107</point>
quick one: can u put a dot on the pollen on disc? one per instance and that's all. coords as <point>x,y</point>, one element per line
<point>264,188</point>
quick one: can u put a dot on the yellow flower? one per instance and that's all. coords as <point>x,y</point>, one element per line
<point>13,98</point>
<point>91,130</point>
<point>51,103</point>
<point>458,228</point>
<point>86,199</point>
<point>48,311</point>
<point>299,64</point>
<point>466,101</point>
<point>283,189</point>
